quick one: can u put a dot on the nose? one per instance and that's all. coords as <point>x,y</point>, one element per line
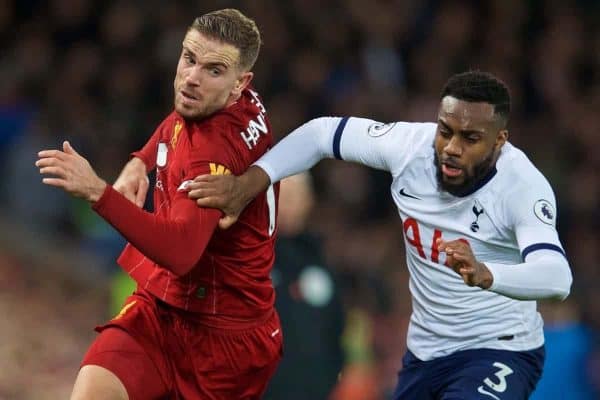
<point>192,78</point>
<point>453,147</point>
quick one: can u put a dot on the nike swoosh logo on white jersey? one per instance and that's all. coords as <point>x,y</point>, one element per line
<point>481,390</point>
<point>403,193</point>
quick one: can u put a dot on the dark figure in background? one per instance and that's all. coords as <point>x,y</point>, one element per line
<point>308,301</point>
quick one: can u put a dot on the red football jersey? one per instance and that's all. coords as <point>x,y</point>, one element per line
<point>228,274</point>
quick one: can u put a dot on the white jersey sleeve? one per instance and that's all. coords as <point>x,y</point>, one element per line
<point>368,142</point>
<point>300,150</point>
<point>386,146</point>
<point>530,211</point>
<point>545,274</point>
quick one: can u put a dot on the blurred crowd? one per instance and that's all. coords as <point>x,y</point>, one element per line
<point>99,73</point>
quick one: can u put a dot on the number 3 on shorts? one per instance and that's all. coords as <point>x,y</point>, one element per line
<point>500,386</point>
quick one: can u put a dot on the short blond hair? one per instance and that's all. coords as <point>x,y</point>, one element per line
<point>231,26</point>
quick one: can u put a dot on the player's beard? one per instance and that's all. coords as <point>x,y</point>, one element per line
<point>472,179</point>
<point>188,113</point>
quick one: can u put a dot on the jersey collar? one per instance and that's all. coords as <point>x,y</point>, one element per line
<point>488,177</point>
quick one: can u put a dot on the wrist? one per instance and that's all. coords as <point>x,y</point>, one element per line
<point>487,277</point>
<point>96,191</point>
<point>137,163</point>
<point>253,182</point>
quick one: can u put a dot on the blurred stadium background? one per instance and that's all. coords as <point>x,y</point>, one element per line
<point>99,73</point>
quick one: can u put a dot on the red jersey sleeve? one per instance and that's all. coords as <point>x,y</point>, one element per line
<point>163,240</point>
<point>210,152</point>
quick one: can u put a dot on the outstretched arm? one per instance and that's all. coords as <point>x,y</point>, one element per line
<point>163,240</point>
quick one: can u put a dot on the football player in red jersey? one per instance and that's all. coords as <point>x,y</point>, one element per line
<point>201,323</point>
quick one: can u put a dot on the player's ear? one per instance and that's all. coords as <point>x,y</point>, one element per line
<point>501,138</point>
<point>243,81</point>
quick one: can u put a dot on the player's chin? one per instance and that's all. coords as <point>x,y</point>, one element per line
<point>188,112</point>
<point>453,185</point>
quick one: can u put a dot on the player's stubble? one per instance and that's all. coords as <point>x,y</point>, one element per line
<point>472,175</point>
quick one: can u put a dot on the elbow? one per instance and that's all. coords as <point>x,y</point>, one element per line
<point>563,291</point>
<point>184,258</point>
<point>183,265</point>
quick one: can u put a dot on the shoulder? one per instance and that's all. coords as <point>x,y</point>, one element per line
<point>415,137</point>
<point>389,146</point>
<point>230,120</point>
<point>524,190</point>
<point>389,136</point>
<point>241,131</point>
<point>245,109</point>
<point>376,129</point>
<point>518,172</point>
<point>422,135</point>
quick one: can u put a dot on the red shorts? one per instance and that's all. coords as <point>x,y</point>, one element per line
<point>159,352</point>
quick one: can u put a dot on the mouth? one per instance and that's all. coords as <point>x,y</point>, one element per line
<point>187,95</point>
<point>451,170</point>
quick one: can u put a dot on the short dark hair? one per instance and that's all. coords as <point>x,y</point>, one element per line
<point>478,86</point>
<point>231,26</point>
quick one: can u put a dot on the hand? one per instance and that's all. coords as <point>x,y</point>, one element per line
<point>460,258</point>
<point>133,182</point>
<point>72,173</point>
<point>218,191</point>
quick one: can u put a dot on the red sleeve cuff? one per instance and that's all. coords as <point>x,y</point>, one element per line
<point>108,193</point>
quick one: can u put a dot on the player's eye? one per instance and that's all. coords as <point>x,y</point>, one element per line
<point>188,58</point>
<point>445,134</point>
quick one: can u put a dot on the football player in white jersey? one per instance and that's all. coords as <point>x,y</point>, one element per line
<point>479,226</point>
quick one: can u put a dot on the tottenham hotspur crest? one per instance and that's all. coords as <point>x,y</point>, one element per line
<point>477,212</point>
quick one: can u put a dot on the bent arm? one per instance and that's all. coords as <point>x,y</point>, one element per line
<point>297,152</point>
<point>545,274</point>
<point>300,150</point>
<point>361,140</point>
<point>176,243</point>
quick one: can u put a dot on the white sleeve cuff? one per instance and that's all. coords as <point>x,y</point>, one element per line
<point>546,274</point>
<point>265,166</point>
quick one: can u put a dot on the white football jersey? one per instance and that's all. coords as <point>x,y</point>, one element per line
<point>510,214</point>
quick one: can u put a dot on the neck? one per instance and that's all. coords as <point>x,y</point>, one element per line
<point>232,99</point>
